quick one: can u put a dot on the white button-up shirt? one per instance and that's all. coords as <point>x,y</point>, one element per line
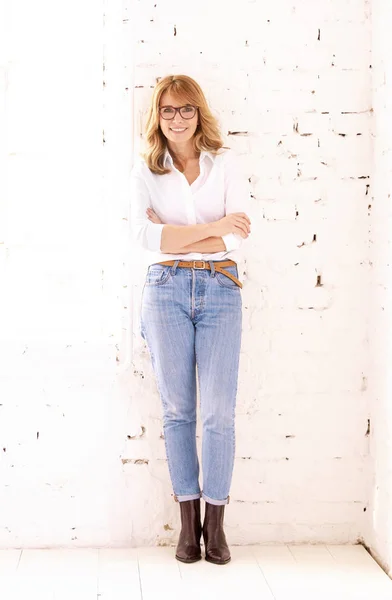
<point>219,190</point>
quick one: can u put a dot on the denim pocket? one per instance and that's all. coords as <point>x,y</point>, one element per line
<point>225,281</point>
<point>157,274</point>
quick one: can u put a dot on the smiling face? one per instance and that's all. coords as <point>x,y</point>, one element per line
<point>187,127</point>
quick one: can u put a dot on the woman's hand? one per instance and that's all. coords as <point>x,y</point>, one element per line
<point>153,217</point>
<point>233,223</point>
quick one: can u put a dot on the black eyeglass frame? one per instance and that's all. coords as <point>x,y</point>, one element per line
<point>175,111</point>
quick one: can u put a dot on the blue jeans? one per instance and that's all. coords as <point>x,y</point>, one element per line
<point>193,317</point>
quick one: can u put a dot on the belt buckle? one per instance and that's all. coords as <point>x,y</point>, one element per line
<point>203,261</point>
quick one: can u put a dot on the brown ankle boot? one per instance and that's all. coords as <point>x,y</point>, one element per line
<point>215,544</point>
<point>188,548</point>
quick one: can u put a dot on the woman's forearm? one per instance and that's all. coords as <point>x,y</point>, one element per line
<point>208,245</point>
<point>175,237</point>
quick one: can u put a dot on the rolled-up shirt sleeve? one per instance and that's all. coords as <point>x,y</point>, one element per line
<point>237,196</point>
<point>144,232</point>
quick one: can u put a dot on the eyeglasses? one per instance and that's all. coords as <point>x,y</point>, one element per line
<point>169,112</point>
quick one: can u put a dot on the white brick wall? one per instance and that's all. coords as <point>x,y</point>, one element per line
<point>296,77</point>
<point>379,534</point>
<point>305,350</point>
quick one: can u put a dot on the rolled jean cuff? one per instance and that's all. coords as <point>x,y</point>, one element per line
<point>216,502</point>
<point>188,497</point>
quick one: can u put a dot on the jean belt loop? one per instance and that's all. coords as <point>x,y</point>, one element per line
<point>174,267</point>
<point>212,268</point>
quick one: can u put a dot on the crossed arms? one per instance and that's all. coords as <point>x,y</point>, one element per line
<point>209,244</point>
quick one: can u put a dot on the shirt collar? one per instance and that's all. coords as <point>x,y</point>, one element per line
<point>203,154</point>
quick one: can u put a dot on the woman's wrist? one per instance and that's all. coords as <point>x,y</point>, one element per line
<point>211,229</point>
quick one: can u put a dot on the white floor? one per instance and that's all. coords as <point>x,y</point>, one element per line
<point>152,573</point>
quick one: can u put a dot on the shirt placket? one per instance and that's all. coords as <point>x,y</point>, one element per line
<point>189,194</point>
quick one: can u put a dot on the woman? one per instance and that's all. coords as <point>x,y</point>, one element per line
<point>188,210</point>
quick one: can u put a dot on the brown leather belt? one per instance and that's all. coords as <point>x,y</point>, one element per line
<point>206,265</point>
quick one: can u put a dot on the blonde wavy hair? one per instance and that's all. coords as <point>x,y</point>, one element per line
<point>207,135</point>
